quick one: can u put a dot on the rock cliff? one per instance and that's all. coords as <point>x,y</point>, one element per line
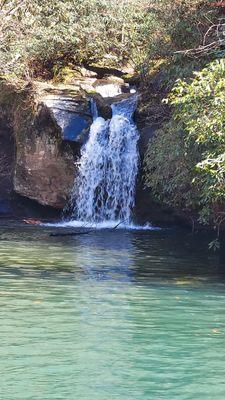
<point>41,131</point>
<point>42,128</point>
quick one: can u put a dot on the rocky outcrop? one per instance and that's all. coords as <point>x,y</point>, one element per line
<point>38,142</point>
<point>103,107</point>
<point>42,128</point>
<point>69,107</point>
<point>44,168</point>
<point>48,138</point>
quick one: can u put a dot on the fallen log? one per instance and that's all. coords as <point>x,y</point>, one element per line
<point>57,234</point>
<point>31,221</point>
<point>69,233</point>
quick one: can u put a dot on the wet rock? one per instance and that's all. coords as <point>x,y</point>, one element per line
<point>70,110</point>
<point>72,116</point>
<point>103,107</point>
<point>120,97</point>
<point>104,104</point>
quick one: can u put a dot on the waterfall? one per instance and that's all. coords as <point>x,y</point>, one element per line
<point>104,189</point>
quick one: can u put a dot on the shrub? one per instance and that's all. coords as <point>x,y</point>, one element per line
<point>39,35</point>
<point>185,164</point>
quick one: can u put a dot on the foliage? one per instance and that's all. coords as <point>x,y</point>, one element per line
<point>169,170</point>
<point>192,147</point>
<point>179,34</point>
<point>214,244</point>
<point>38,37</point>
<point>172,27</point>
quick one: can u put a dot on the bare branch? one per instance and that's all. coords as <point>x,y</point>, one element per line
<point>200,49</point>
<point>209,30</point>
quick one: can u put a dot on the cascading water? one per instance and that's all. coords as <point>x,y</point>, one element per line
<point>104,189</point>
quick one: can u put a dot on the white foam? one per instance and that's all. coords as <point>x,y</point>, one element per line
<point>103,225</point>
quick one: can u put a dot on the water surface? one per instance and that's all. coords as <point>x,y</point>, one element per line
<point>110,315</point>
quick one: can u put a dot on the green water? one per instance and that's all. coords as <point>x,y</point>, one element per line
<point>111,315</point>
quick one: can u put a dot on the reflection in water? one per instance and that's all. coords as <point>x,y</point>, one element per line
<point>111,315</point>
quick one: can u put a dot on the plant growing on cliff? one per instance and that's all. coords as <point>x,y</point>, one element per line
<point>185,163</point>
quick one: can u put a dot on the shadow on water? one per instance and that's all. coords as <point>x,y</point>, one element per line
<point>141,257</point>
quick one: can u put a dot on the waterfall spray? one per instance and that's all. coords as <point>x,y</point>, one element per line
<point>104,189</point>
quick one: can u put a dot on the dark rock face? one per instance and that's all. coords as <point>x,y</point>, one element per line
<point>7,160</point>
<point>104,104</point>
<point>104,109</point>
<point>103,72</point>
<point>147,132</point>
<point>148,210</point>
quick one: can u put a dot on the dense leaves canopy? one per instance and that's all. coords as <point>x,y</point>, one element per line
<point>185,164</point>
<point>43,35</point>
<point>40,36</point>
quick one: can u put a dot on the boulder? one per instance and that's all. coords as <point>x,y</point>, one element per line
<point>70,109</point>
<point>39,145</point>
<point>103,107</point>
<point>44,168</point>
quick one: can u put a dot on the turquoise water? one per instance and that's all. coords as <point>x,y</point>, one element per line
<point>110,315</point>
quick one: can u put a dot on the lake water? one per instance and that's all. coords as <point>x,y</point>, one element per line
<point>110,315</point>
